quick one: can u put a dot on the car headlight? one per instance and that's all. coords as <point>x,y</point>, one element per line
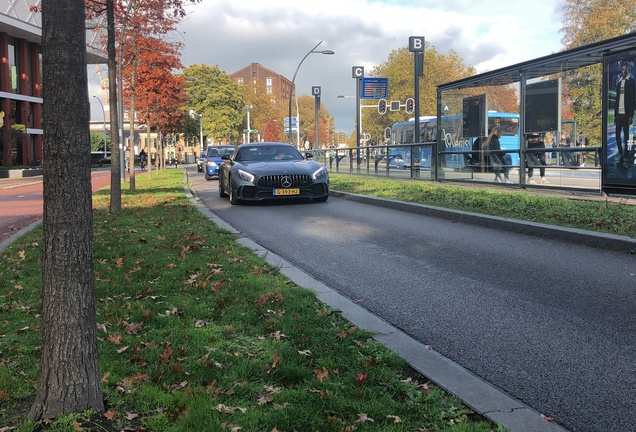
<point>211,163</point>
<point>245,176</point>
<point>320,173</point>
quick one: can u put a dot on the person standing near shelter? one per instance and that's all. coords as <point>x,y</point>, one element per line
<point>501,158</point>
<point>565,142</point>
<point>533,159</point>
<point>624,111</point>
<point>582,142</point>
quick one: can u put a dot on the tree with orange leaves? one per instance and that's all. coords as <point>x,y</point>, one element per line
<point>160,95</point>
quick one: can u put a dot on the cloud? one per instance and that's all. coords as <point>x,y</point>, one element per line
<point>487,34</point>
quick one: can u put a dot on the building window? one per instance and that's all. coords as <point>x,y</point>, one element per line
<point>240,81</point>
<point>13,66</point>
<point>269,85</point>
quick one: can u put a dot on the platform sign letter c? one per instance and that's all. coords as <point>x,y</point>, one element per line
<point>357,72</point>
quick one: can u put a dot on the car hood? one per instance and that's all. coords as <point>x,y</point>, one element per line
<point>280,167</point>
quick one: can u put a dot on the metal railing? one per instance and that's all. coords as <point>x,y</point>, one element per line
<point>577,168</point>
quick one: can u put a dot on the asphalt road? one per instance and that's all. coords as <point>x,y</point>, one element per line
<point>550,323</point>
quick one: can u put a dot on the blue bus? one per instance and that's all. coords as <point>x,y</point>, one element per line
<point>403,133</point>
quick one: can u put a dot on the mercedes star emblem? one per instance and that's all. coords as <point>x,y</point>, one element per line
<point>285,181</point>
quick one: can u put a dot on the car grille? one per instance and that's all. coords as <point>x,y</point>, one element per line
<point>276,181</point>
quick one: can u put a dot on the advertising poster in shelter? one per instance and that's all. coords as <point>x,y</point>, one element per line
<point>619,152</point>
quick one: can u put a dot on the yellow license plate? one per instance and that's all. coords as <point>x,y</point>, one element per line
<point>287,191</point>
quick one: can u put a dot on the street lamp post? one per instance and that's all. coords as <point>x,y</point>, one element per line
<point>291,89</point>
<point>104,113</point>
<point>249,131</point>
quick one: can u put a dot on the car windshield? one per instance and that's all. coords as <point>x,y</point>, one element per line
<point>218,151</point>
<point>268,153</point>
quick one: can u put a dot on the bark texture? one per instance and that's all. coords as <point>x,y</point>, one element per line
<point>69,379</point>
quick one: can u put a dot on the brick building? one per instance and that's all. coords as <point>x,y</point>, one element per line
<point>275,84</point>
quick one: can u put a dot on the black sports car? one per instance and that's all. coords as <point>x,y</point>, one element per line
<point>271,171</point>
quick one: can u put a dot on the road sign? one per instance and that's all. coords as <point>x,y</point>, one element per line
<point>250,130</point>
<point>294,122</point>
<point>375,88</point>
<point>395,105</point>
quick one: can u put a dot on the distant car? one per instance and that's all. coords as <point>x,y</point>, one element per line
<point>271,171</point>
<point>201,163</point>
<point>213,159</point>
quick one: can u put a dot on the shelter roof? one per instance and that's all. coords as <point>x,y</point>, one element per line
<point>551,64</point>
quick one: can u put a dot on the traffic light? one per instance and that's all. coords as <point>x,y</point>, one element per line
<point>382,106</point>
<point>387,133</point>
<point>410,106</point>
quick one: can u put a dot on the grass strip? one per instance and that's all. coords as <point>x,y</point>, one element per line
<point>594,215</point>
<point>198,333</point>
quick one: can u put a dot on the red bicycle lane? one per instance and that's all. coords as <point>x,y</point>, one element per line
<point>21,201</point>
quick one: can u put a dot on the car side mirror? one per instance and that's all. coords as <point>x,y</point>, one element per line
<point>225,157</point>
<point>309,155</point>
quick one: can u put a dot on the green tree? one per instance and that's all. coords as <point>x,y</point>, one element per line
<point>97,141</point>
<point>586,22</point>
<point>307,108</point>
<point>213,94</point>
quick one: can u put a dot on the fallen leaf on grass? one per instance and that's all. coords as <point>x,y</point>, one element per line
<point>264,399</point>
<point>165,356</point>
<point>395,418</point>
<point>276,359</point>
<point>224,409</point>
<point>363,418</point>
<point>272,389</point>
<point>133,328</point>
<point>361,378</point>
<point>114,338</point>
<point>321,374</point>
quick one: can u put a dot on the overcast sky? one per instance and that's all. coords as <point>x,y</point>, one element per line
<point>487,34</point>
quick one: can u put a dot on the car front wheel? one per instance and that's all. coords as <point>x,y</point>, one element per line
<point>222,193</point>
<point>233,199</point>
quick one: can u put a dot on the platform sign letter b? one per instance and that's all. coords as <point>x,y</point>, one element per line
<point>416,43</point>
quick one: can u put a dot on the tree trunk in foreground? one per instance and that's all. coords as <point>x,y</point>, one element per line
<point>69,379</point>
